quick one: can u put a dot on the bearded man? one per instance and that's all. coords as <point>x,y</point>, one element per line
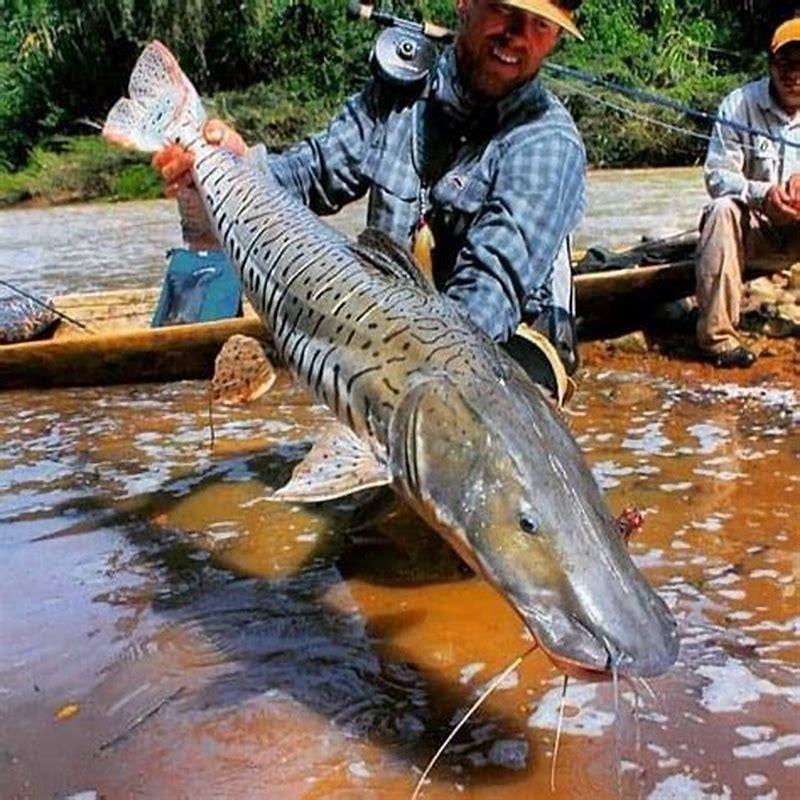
<point>483,157</point>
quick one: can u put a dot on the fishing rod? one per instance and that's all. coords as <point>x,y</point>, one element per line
<point>46,305</point>
<point>405,53</point>
<point>665,102</point>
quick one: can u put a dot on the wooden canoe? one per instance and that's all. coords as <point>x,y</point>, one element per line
<point>122,348</point>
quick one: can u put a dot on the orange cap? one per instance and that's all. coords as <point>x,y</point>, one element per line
<point>549,10</point>
<point>785,34</point>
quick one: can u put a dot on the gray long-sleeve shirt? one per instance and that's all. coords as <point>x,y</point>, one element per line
<point>746,165</point>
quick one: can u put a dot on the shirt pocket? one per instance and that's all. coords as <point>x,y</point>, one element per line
<point>462,189</point>
<point>765,162</point>
<point>389,166</point>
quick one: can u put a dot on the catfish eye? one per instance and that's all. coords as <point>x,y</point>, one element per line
<point>528,524</point>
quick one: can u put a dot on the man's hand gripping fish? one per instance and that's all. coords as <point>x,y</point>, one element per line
<point>428,404</point>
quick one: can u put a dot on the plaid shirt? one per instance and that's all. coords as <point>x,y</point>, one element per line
<point>513,190</point>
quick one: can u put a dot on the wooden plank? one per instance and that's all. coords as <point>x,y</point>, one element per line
<point>659,283</point>
<point>178,352</point>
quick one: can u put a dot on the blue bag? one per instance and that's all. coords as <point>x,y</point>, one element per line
<point>200,286</point>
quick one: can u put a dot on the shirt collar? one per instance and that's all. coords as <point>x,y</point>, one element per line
<point>462,104</point>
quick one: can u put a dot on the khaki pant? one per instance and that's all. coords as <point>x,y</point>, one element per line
<point>730,235</point>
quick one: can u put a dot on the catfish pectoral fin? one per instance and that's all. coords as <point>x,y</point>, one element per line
<point>339,464</point>
<point>242,371</point>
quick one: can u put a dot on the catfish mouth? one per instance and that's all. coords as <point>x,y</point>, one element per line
<point>580,652</point>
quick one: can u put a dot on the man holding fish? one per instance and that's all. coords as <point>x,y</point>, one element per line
<point>483,161</point>
<point>425,402</point>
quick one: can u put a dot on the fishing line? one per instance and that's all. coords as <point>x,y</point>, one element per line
<point>211,417</point>
<point>665,102</point>
<point>495,682</point>
<point>567,89</point>
<point>46,305</point>
<point>559,725</point>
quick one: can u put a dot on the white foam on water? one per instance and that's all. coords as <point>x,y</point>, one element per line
<point>722,580</point>
<point>732,686</point>
<point>785,399</point>
<point>794,761</point>
<point>675,487</point>
<point>470,671</point>
<point>607,472</point>
<point>589,721</point>
<point>732,594</point>
<point>677,544</point>
<point>755,780</point>
<point>755,733</point>
<point>684,787</point>
<point>766,749</point>
<point>748,454</point>
<point>770,795</point>
<point>651,440</point>
<point>791,625</point>
<point>712,523</point>
<point>359,769</point>
<point>720,475</point>
<point>709,437</point>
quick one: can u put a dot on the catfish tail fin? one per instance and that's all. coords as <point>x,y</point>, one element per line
<point>163,104</point>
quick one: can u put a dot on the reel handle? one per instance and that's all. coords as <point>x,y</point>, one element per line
<point>367,11</point>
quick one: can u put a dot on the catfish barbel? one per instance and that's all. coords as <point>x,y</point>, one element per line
<point>426,402</point>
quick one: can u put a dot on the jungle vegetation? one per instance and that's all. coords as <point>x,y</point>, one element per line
<point>277,69</point>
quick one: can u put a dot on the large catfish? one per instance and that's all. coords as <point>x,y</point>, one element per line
<point>427,403</point>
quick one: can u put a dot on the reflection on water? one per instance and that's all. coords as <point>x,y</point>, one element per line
<point>218,644</point>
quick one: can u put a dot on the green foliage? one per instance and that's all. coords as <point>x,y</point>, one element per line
<point>136,182</point>
<point>278,68</point>
<point>278,114</point>
<point>79,168</point>
<point>691,51</point>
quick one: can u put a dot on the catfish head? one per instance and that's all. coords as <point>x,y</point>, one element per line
<point>493,468</point>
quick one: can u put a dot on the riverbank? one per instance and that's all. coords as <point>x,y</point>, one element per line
<point>167,622</point>
<point>78,169</point>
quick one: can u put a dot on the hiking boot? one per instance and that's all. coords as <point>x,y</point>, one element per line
<point>739,357</point>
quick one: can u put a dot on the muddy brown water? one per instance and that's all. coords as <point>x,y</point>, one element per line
<point>214,644</point>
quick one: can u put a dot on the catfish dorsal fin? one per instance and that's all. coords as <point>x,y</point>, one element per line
<point>391,258</point>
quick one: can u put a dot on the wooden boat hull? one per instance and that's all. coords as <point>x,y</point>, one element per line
<point>122,348</point>
<point>179,352</point>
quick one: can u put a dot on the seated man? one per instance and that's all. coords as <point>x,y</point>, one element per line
<point>482,156</point>
<point>755,181</point>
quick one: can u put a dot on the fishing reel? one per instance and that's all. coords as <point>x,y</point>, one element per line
<point>404,53</point>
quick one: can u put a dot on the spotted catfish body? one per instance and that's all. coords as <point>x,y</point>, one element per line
<point>428,404</point>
